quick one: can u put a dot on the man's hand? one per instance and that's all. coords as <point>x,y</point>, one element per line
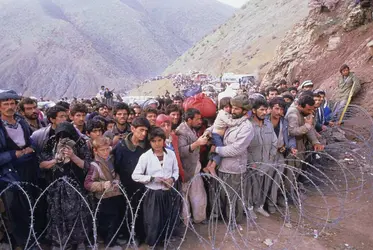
<point>331,124</point>
<point>202,140</point>
<point>309,120</point>
<point>20,153</point>
<point>318,147</point>
<point>294,151</point>
<point>324,128</point>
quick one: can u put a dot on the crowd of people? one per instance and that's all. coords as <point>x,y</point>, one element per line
<point>132,162</point>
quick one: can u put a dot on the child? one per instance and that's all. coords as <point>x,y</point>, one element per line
<point>158,170</point>
<point>103,182</point>
<point>223,121</point>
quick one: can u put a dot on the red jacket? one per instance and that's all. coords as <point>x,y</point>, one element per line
<point>175,144</point>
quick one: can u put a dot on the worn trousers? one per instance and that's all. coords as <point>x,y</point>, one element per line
<point>258,186</point>
<point>195,199</point>
<point>233,196</point>
<point>277,181</point>
<point>109,217</point>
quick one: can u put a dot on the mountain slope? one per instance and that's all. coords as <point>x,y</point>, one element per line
<point>316,48</point>
<point>244,43</point>
<point>54,48</point>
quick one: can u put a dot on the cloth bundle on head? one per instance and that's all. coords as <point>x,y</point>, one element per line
<point>6,94</point>
<point>241,101</point>
<point>319,91</point>
<point>149,102</point>
<point>161,119</point>
<point>255,96</point>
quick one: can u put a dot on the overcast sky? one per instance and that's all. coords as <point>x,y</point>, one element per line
<point>234,3</point>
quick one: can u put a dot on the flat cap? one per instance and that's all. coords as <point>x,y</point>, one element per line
<point>6,94</point>
<point>241,101</point>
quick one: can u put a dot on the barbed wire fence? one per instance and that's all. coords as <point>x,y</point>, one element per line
<point>331,181</point>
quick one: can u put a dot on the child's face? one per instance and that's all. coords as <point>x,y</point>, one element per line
<point>96,132</point>
<point>110,126</point>
<point>103,151</point>
<point>227,109</point>
<point>157,144</point>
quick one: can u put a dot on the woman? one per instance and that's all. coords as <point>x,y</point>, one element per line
<point>158,170</point>
<point>65,158</point>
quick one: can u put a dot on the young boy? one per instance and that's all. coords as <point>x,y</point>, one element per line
<point>223,121</point>
<point>103,182</point>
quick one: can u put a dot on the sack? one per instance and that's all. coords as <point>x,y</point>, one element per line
<point>193,91</point>
<point>204,104</point>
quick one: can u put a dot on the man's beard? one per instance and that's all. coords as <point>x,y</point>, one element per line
<point>32,117</point>
<point>237,116</point>
<point>259,118</point>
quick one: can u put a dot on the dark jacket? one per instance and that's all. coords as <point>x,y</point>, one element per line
<point>126,155</point>
<point>26,167</point>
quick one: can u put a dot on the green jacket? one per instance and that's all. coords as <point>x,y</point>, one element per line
<point>345,85</point>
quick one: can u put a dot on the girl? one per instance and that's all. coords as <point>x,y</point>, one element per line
<point>158,170</point>
<point>103,182</point>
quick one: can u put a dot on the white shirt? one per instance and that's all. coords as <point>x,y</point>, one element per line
<point>149,166</point>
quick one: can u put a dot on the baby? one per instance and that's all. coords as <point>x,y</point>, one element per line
<point>223,121</point>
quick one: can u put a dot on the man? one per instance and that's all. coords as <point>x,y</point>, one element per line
<point>285,145</point>
<point>109,97</point>
<point>293,91</point>
<point>306,86</point>
<point>151,115</point>
<point>178,100</point>
<point>261,155</point>
<point>233,170</point>
<point>320,123</point>
<point>301,126</point>
<point>282,86</point>
<point>324,112</point>
<point>18,162</point>
<point>126,156</point>
<point>78,114</point>
<point>271,93</point>
<point>101,93</point>
<point>121,127</point>
<point>29,110</point>
<point>296,84</point>
<point>102,110</point>
<point>189,146</point>
<point>174,112</point>
<point>55,115</point>
<point>348,82</point>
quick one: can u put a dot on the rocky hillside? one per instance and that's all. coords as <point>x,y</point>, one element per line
<point>317,47</point>
<point>246,42</point>
<point>54,48</point>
